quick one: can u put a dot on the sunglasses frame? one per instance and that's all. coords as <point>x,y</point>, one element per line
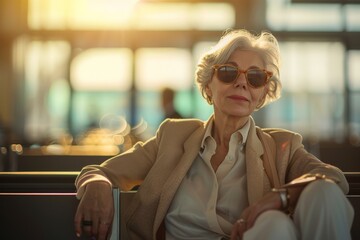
<point>239,71</point>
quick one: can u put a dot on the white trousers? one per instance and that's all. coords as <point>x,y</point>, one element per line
<point>322,213</point>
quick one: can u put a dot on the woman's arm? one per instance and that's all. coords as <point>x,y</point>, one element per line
<point>302,169</point>
<point>303,165</point>
<point>125,170</point>
<point>94,187</point>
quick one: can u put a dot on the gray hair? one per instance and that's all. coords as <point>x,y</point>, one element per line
<point>264,44</point>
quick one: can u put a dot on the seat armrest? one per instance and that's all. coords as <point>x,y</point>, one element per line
<point>115,231</point>
<point>122,199</point>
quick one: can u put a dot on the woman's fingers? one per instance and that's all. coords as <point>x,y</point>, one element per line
<point>83,221</point>
<point>250,214</point>
<point>251,218</point>
<point>238,229</point>
<point>87,224</point>
<point>78,223</point>
<point>94,227</point>
<point>269,202</point>
<point>95,224</point>
<point>103,223</point>
<point>104,227</point>
<point>95,211</point>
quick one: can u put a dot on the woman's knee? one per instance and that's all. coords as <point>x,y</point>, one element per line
<point>274,218</point>
<point>272,224</point>
<point>323,208</point>
<point>323,198</point>
<point>322,191</point>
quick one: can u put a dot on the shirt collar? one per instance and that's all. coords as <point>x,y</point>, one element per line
<point>244,132</point>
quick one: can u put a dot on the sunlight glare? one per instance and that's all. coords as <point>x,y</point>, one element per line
<point>97,13</point>
<point>163,67</point>
<point>85,14</point>
<point>102,69</point>
<point>306,66</point>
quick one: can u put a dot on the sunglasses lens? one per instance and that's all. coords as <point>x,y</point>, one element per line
<point>256,77</point>
<point>227,74</point>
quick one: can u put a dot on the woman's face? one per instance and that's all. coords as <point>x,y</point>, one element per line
<point>237,99</point>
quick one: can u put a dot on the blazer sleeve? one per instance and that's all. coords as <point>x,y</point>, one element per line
<point>125,170</point>
<point>302,162</point>
<point>130,168</point>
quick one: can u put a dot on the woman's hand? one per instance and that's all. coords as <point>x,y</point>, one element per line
<point>248,217</point>
<point>95,212</point>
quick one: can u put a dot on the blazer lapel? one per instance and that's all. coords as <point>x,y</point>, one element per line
<point>254,165</point>
<point>254,168</point>
<point>191,149</point>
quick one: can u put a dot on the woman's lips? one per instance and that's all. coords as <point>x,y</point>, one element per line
<point>237,97</point>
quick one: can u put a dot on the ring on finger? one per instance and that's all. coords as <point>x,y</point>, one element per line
<point>242,221</point>
<point>87,223</point>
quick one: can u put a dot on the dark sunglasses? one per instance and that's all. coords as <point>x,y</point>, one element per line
<point>255,77</point>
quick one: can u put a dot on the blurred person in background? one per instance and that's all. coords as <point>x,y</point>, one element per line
<point>224,178</point>
<point>168,105</point>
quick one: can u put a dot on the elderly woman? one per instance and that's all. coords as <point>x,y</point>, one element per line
<point>224,178</point>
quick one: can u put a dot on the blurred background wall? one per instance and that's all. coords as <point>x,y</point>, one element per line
<point>90,72</point>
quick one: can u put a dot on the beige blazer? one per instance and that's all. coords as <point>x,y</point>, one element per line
<point>161,163</point>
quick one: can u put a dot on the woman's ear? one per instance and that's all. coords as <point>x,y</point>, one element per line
<point>208,91</point>
<point>263,96</point>
<point>266,90</point>
<point>208,94</point>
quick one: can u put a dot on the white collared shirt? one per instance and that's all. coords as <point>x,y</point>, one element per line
<point>207,203</point>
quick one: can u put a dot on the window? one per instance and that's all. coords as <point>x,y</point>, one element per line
<point>352,14</point>
<point>321,89</point>
<point>129,14</point>
<point>312,66</point>
<point>110,78</point>
<point>354,73</point>
<point>157,68</point>
<point>117,76</point>
<point>283,15</point>
<point>102,69</point>
<point>44,64</point>
<point>313,85</point>
<point>354,83</point>
<point>102,79</point>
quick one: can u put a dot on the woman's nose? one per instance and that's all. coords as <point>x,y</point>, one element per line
<point>240,80</point>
